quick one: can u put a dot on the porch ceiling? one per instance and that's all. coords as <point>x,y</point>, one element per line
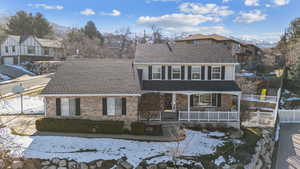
<point>188,85</point>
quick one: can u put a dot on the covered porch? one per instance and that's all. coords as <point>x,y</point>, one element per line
<point>188,101</point>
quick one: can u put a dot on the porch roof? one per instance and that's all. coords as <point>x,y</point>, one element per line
<point>189,85</point>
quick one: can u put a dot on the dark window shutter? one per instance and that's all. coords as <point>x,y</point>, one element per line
<point>123,106</point>
<point>223,73</point>
<point>189,72</point>
<point>182,72</point>
<point>150,72</point>
<point>219,100</point>
<point>202,72</point>
<point>58,105</point>
<point>163,70</point>
<point>209,73</point>
<point>104,106</point>
<point>169,72</point>
<point>191,100</point>
<point>214,99</point>
<point>77,101</point>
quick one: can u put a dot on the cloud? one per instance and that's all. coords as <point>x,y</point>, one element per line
<point>271,37</point>
<point>112,13</point>
<point>226,1</point>
<point>87,12</point>
<point>47,7</point>
<point>205,9</point>
<point>250,17</point>
<point>281,2</point>
<point>251,2</point>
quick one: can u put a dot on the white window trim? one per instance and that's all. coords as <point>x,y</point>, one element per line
<point>179,72</point>
<point>157,72</point>
<point>114,112</point>
<point>211,100</point>
<point>212,72</point>
<point>195,72</point>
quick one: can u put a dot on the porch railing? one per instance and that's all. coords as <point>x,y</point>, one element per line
<point>217,116</point>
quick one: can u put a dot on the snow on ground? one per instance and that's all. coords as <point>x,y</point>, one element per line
<point>22,69</point>
<point>219,160</point>
<point>32,105</point>
<point>4,77</point>
<point>47,147</point>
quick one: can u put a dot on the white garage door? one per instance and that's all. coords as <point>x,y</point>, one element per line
<point>8,60</point>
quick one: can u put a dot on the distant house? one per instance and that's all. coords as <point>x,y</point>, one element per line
<point>17,49</point>
<point>248,55</point>
<point>181,83</point>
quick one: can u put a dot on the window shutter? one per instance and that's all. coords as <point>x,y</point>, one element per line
<point>182,72</point>
<point>191,100</point>
<point>189,72</point>
<point>202,72</point>
<point>150,72</point>
<point>169,72</point>
<point>58,107</point>
<point>163,70</point>
<point>77,101</point>
<point>219,100</point>
<point>209,73</point>
<point>124,106</point>
<point>223,73</point>
<point>104,106</point>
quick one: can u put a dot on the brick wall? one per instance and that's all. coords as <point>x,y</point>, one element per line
<point>181,102</point>
<point>91,108</point>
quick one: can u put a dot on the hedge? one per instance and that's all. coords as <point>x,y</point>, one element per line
<point>92,126</point>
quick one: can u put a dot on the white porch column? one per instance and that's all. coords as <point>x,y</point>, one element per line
<point>239,105</point>
<point>189,106</point>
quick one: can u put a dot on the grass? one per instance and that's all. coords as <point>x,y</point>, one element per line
<point>15,132</point>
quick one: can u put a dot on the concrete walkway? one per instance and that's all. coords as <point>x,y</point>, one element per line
<point>288,156</point>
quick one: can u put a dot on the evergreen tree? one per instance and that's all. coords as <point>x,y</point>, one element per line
<point>92,32</point>
<point>41,26</point>
<point>20,24</point>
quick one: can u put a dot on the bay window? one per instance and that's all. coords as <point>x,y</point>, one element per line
<point>156,72</point>
<point>176,72</point>
<point>196,72</point>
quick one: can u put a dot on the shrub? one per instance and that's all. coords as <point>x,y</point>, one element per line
<point>140,128</point>
<point>79,126</point>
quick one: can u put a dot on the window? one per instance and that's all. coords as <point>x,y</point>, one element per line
<point>196,72</point>
<point>31,50</point>
<point>68,106</point>
<point>156,73</point>
<point>216,73</point>
<point>176,72</point>
<point>46,51</point>
<point>6,49</point>
<point>13,49</point>
<point>114,106</point>
<point>204,100</point>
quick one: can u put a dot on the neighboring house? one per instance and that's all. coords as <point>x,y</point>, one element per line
<point>18,49</point>
<point>248,55</point>
<point>176,83</point>
<point>293,55</point>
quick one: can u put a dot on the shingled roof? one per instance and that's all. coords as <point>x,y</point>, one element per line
<point>203,37</point>
<point>182,53</point>
<point>94,76</point>
<point>44,42</point>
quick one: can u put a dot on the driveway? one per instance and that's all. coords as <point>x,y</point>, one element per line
<point>288,156</point>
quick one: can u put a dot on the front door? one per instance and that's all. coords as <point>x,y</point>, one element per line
<point>168,102</point>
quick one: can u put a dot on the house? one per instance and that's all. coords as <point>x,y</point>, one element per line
<point>18,49</point>
<point>248,55</point>
<point>182,83</point>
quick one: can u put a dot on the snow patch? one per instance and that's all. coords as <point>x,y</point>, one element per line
<point>220,160</point>
<point>4,77</point>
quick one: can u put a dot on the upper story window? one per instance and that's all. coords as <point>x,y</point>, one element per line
<point>13,49</point>
<point>46,51</point>
<point>6,49</point>
<point>156,72</point>
<point>196,72</point>
<point>31,50</point>
<point>216,73</point>
<point>176,72</point>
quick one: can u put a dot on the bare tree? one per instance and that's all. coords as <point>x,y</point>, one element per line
<point>156,34</point>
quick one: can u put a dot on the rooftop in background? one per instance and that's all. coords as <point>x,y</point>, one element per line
<point>215,37</point>
<point>182,53</point>
<point>94,76</point>
<point>43,42</point>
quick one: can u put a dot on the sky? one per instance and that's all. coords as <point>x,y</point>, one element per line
<point>246,19</point>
